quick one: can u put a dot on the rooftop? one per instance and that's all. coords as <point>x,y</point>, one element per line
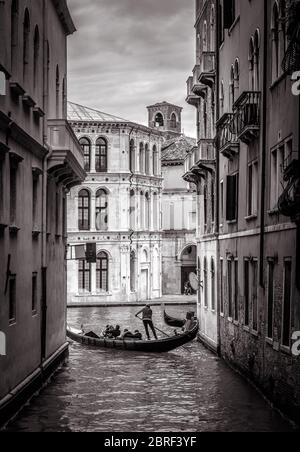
<point>78,112</point>
<point>176,148</point>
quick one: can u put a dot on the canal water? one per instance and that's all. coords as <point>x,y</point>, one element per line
<point>188,390</point>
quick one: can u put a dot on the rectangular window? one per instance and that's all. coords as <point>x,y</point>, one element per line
<point>13,195</point>
<point>230,291</point>
<point>34,294</point>
<point>222,286</point>
<point>236,290</point>
<point>35,187</point>
<point>247,291</point>
<point>12,296</point>
<point>287,304</point>
<point>254,295</point>
<point>271,267</point>
<point>57,213</point>
<point>277,182</point>
<point>172,216</point>
<point>252,189</point>
<point>222,202</point>
<point>229,13</point>
<point>232,198</point>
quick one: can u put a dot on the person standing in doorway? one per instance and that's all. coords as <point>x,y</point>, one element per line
<point>148,321</point>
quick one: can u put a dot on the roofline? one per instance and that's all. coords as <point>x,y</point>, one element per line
<point>163,104</point>
<point>135,125</point>
<point>64,15</point>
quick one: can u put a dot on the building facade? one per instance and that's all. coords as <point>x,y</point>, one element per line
<point>118,209</point>
<point>257,193</point>
<point>178,200</point>
<point>40,160</point>
<point>201,168</point>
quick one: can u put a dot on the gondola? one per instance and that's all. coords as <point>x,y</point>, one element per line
<point>171,321</point>
<point>157,346</point>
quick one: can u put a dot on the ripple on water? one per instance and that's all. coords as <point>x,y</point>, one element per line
<point>183,391</point>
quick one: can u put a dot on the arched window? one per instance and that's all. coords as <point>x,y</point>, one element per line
<point>86,147</point>
<point>257,60</point>
<point>205,271</point>
<point>155,161</point>
<point>14,32</point>
<point>156,270</point>
<point>101,210</point>
<point>84,276</point>
<point>142,158</point>
<point>213,285</point>
<point>205,47</point>
<point>132,156</point>
<point>147,211</point>
<point>101,155</point>
<point>26,36</point>
<point>64,98</point>
<point>236,77</point>
<point>132,210</point>
<point>212,29</point>
<point>155,212</point>
<point>173,121</point>
<point>142,211</point>
<point>159,120</point>
<point>283,28</point>
<point>222,97</point>
<point>57,92</point>
<point>102,272</point>
<point>84,206</point>
<point>132,272</point>
<point>147,159</point>
<point>275,42</point>
<point>36,55</point>
<point>251,65</point>
<point>231,88</point>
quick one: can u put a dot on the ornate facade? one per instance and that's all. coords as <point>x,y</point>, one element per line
<point>178,200</point>
<point>118,208</point>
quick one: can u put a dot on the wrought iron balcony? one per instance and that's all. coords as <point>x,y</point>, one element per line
<point>229,144</point>
<point>66,162</point>
<point>248,116</point>
<point>208,69</point>
<point>192,98</point>
<point>289,201</point>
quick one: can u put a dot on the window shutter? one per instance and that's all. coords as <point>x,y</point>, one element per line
<point>228,13</point>
<point>231,205</point>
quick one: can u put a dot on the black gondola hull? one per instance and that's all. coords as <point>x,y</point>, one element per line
<point>159,346</point>
<point>174,323</point>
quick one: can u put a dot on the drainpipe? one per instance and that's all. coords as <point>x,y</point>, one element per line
<point>264,144</point>
<point>263,173</point>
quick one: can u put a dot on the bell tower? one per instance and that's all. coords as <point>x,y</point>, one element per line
<point>166,118</point>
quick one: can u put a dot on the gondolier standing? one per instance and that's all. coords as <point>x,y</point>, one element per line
<point>147,320</point>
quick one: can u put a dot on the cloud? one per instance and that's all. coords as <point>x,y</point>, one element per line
<point>128,54</point>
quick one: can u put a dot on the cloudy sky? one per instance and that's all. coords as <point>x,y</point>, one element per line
<point>128,54</point>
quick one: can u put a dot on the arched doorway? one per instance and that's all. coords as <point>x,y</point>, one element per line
<point>188,264</point>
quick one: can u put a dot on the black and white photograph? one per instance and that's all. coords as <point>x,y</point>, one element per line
<point>149,219</point>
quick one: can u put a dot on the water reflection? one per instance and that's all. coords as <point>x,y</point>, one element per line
<point>108,390</point>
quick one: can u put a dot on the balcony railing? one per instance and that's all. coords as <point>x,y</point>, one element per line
<point>206,150</point>
<point>228,137</point>
<point>207,69</point>
<point>191,98</point>
<point>66,162</point>
<point>248,113</point>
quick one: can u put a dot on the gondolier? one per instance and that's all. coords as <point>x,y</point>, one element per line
<point>147,320</point>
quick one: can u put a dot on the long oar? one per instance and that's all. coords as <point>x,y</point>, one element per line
<point>162,332</point>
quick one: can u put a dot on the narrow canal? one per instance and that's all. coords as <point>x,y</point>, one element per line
<point>110,391</point>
